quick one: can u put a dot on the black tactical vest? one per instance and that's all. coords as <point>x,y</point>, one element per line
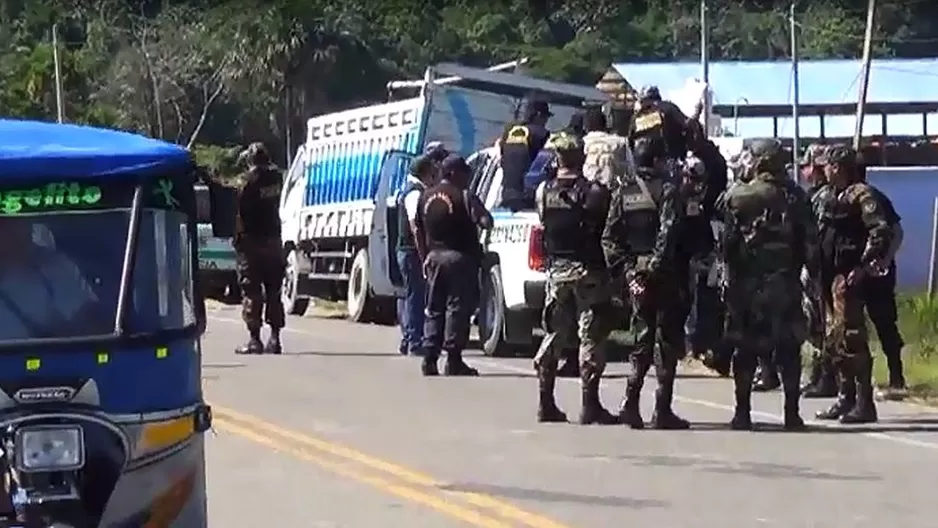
<point>648,126</point>
<point>405,236</point>
<point>640,202</point>
<point>571,232</point>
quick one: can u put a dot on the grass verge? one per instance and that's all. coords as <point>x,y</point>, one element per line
<point>918,323</point>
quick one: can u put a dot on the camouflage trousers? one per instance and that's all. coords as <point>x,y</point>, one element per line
<point>658,317</point>
<point>846,339</point>
<point>261,268</point>
<point>765,321</point>
<point>577,315</point>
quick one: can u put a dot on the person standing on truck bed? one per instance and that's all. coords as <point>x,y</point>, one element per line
<point>573,212</point>
<point>410,254</point>
<point>519,145</point>
<point>259,250</point>
<point>446,222</point>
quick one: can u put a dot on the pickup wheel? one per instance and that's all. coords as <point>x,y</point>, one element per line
<point>292,304</point>
<point>492,315</point>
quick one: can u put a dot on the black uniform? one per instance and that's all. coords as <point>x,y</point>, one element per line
<point>452,264</point>
<point>880,299</point>
<point>520,143</point>
<point>663,126</point>
<point>260,257</point>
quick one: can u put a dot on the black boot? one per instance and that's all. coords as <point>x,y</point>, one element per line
<point>743,374</point>
<point>253,346</point>
<point>273,343</point>
<point>846,398</point>
<point>791,377</point>
<point>896,390</point>
<point>630,412</point>
<point>767,377</point>
<point>592,410</point>
<point>547,410</point>
<point>864,411</point>
<point>455,366</point>
<point>826,384</point>
<point>429,365</point>
<point>720,360</point>
<point>664,416</point>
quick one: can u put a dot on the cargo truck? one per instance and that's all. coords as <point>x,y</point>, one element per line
<point>338,209</point>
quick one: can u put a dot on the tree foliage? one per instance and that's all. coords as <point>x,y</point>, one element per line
<point>228,72</point>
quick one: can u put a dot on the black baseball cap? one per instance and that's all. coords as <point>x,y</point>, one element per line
<point>455,163</point>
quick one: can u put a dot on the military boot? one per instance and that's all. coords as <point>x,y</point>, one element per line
<point>825,386</point>
<point>791,377</point>
<point>547,410</point>
<point>846,398</point>
<point>429,365</point>
<point>630,412</point>
<point>865,409</point>
<point>743,374</point>
<point>664,416</point>
<point>455,366</point>
<point>592,410</point>
<point>896,390</point>
<point>273,343</point>
<point>253,346</point>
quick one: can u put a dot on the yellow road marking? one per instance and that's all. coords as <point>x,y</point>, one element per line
<point>480,500</point>
<point>453,510</point>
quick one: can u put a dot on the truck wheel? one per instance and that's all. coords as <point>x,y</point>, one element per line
<point>360,303</point>
<point>492,316</point>
<point>292,304</point>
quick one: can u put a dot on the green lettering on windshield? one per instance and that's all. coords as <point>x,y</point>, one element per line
<point>52,196</point>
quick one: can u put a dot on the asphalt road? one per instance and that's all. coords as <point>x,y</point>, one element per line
<point>340,431</point>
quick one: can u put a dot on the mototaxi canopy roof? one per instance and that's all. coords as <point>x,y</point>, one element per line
<point>33,149</point>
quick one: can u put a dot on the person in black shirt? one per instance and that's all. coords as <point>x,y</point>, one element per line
<point>447,221</point>
<point>260,257</point>
<point>519,145</point>
<point>879,294</point>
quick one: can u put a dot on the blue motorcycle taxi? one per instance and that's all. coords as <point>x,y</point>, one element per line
<point>102,416</point>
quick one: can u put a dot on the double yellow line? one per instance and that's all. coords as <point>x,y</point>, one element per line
<point>476,509</point>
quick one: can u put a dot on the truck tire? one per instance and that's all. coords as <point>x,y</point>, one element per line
<point>359,301</point>
<point>292,304</point>
<point>493,315</point>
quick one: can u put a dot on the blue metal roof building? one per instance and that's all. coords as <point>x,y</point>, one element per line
<point>822,82</point>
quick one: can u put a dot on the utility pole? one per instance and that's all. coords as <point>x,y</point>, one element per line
<point>705,63</point>
<point>59,96</point>
<point>865,83</point>
<point>796,90</point>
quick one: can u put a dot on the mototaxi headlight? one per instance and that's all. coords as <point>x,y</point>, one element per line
<point>49,448</point>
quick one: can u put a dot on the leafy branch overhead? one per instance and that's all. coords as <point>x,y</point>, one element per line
<point>228,73</point>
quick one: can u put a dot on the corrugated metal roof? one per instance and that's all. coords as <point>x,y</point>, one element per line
<point>821,82</point>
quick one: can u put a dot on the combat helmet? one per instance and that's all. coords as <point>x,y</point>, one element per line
<point>768,158</point>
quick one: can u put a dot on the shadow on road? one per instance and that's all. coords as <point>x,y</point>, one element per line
<point>512,492</point>
<point>742,467</point>
<point>896,425</point>
<point>343,354</point>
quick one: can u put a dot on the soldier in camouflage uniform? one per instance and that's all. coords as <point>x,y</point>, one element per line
<point>769,236</point>
<point>640,244</point>
<point>822,382</point>
<point>260,257</point>
<point>861,239</point>
<point>572,212</point>
<point>608,156</point>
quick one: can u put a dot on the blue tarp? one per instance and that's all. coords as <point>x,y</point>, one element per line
<point>32,149</point>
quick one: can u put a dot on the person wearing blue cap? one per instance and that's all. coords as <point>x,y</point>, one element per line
<point>410,254</point>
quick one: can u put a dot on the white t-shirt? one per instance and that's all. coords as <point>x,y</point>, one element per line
<point>49,290</point>
<point>411,198</point>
